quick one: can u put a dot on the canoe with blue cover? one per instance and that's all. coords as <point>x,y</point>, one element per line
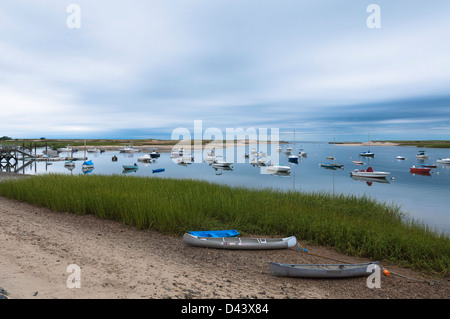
<point>239,242</point>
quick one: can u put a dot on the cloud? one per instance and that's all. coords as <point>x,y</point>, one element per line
<point>156,65</point>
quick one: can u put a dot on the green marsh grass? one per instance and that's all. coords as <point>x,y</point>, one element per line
<point>358,226</point>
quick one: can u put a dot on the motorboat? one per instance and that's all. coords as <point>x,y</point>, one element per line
<point>368,154</point>
<point>369,173</point>
<point>421,155</point>
<point>429,165</point>
<point>185,160</point>
<point>288,150</point>
<point>302,153</point>
<point>128,149</point>
<point>94,150</point>
<point>154,154</point>
<point>293,158</point>
<point>358,162</point>
<point>64,149</point>
<point>400,157</point>
<point>443,160</point>
<point>220,163</point>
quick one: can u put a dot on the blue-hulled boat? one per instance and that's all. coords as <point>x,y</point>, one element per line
<point>158,170</point>
<point>216,233</point>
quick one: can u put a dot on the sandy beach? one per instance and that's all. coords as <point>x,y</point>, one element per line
<point>118,261</point>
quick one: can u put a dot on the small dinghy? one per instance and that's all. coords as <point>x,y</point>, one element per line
<point>239,242</point>
<point>215,233</point>
<point>158,170</point>
<point>130,167</point>
<point>321,270</point>
<point>420,170</point>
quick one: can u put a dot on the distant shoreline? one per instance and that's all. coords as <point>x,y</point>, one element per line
<point>145,144</point>
<point>428,143</point>
<point>365,143</point>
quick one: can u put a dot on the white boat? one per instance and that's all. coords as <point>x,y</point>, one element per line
<point>240,242</point>
<point>278,168</point>
<point>220,163</point>
<point>279,149</point>
<point>261,161</point>
<point>210,159</point>
<point>302,153</point>
<point>443,160</point>
<point>288,150</point>
<point>128,149</point>
<point>185,160</point>
<point>145,158</point>
<point>400,157</point>
<point>369,173</point>
<point>94,150</point>
<point>421,155</point>
<point>64,149</point>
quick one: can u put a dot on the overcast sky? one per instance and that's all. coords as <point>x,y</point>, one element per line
<point>141,68</point>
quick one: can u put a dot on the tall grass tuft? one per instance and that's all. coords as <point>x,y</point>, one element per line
<point>358,226</point>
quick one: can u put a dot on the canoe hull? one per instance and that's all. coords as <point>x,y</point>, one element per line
<point>240,243</point>
<point>321,270</point>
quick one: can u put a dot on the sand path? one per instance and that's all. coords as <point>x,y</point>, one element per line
<point>116,261</point>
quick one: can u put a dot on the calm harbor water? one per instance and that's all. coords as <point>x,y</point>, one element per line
<point>422,197</point>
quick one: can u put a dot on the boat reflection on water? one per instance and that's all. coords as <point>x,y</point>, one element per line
<point>370,180</point>
<point>87,170</point>
<point>220,169</point>
<point>283,174</point>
